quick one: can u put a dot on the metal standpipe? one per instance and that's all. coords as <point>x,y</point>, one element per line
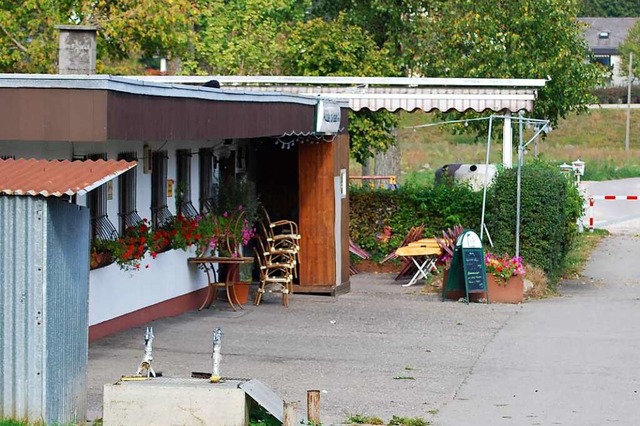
<point>217,344</point>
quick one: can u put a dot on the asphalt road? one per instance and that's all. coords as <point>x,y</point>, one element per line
<point>570,360</point>
<point>614,215</point>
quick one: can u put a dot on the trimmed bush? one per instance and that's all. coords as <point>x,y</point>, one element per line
<point>617,95</point>
<point>550,207</point>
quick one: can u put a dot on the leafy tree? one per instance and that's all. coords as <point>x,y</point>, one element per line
<point>140,27</point>
<point>335,48</point>
<point>394,25</point>
<point>128,29</point>
<point>525,39</point>
<point>27,34</point>
<point>631,45</point>
<point>609,8</point>
<point>242,37</point>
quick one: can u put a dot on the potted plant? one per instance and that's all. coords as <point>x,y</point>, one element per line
<point>505,278</point>
<point>101,254</point>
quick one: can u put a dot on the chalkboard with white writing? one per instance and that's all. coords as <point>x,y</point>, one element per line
<point>474,270</point>
<point>467,271</point>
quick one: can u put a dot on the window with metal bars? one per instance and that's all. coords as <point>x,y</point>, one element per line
<point>207,183</point>
<point>101,226</point>
<point>127,194</point>
<point>183,184</point>
<point>160,214</point>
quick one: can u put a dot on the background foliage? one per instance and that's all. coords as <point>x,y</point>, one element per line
<point>437,207</point>
<point>526,39</point>
<point>609,8</point>
<point>631,45</point>
<point>550,208</point>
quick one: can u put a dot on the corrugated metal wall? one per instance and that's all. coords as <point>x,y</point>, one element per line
<point>44,285</point>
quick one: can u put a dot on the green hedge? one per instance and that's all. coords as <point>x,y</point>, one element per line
<point>437,207</point>
<point>550,207</point>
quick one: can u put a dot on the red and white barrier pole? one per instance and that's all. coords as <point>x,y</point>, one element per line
<point>615,197</point>
<point>592,199</point>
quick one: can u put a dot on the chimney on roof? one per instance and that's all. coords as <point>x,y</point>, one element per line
<point>77,49</point>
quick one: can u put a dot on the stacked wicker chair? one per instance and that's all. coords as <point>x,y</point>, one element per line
<point>277,253</point>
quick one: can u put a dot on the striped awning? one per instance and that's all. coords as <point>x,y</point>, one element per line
<point>415,98</point>
<point>57,178</point>
<point>390,93</point>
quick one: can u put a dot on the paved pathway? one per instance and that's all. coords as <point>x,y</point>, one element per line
<point>572,360</point>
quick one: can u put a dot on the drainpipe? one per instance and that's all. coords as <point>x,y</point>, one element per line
<point>77,49</point>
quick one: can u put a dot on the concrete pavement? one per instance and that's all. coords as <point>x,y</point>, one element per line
<point>380,350</point>
<point>385,350</point>
<point>565,361</point>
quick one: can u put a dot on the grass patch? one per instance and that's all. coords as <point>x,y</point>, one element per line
<point>580,253</point>
<point>12,422</point>
<point>359,419</point>
<point>408,421</point>
<point>259,416</point>
<point>596,138</point>
<point>395,420</point>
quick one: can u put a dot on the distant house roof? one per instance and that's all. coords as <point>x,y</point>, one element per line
<point>605,35</point>
<point>57,178</point>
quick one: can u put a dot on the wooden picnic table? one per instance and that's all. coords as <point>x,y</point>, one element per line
<point>423,257</point>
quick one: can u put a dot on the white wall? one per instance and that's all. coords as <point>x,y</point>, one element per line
<point>617,79</point>
<point>113,292</point>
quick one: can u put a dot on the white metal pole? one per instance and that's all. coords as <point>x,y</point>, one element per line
<point>507,142</point>
<point>486,175</point>
<point>519,179</point>
<point>630,78</point>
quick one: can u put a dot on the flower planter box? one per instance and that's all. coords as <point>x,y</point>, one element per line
<point>99,260</point>
<point>510,292</point>
<point>242,290</point>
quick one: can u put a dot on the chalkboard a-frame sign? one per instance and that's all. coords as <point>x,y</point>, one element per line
<point>467,271</point>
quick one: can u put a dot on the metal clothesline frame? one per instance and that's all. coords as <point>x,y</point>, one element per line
<point>521,146</point>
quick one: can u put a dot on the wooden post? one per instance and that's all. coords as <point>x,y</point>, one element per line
<point>290,417</point>
<point>313,407</point>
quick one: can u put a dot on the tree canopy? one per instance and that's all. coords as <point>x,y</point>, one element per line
<point>631,44</point>
<point>242,37</point>
<point>609,8</point>
<point>321,48</point>
<point>526,39</point>
<point>127,31</point>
